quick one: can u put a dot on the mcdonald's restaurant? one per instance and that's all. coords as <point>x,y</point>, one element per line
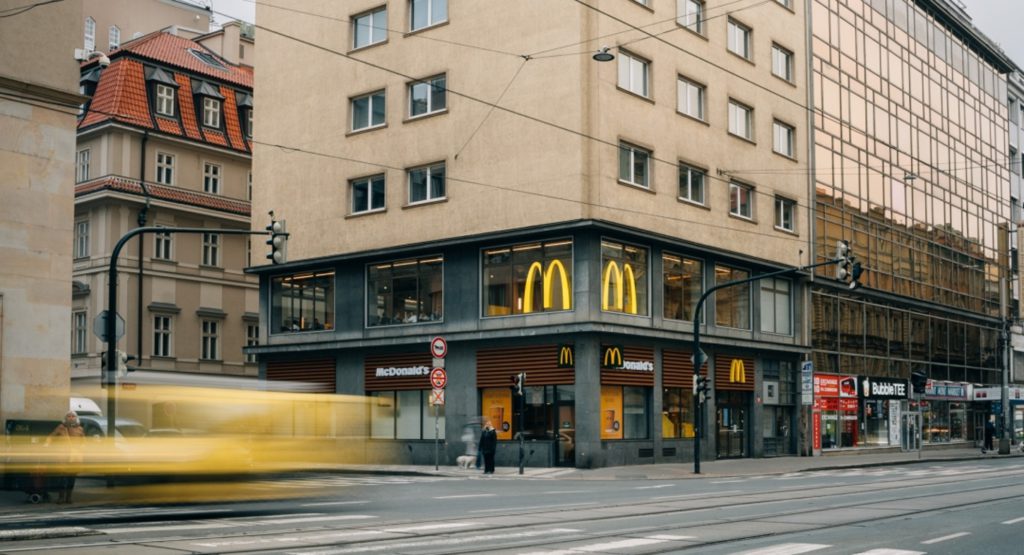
<point>597,316</point>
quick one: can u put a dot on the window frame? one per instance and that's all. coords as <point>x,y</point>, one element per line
<point>420,262</point>
<point>632,150</point>
<point>689,171</point>
<point>785,209</point>
<point>684,89</point>
<point>627,57</point>
<point>770,288</point>
<point>372,28</point>
<point>83,161</point>
<point>113,37</point>
<point>209,340</point>
<point>733,32</point>
<point>89,33</point>
<point>785,55</point>
<point>732,291</point>
<point>545,264</point>
<point>370,98</point>
<point>429,10</point>
<point>429,168</point>
<point>163,344</point>
<point>703,286</point>
<point>212,178</point>
<point>683,12</point>
<point>317,290</point>
<point>252,339</point>
<point>783,135</point>
<point>369,181</point>
<point>82,238</point>
<point>164,168</point>
<point>432,89</point>
<point>163,244</point>
<point>735,200</point>
<point>642,287</point>
<point>165,103</point>
<point>211,249</point>
<point>79,332</point>
<point>212,108</point>
<point>735,108</point>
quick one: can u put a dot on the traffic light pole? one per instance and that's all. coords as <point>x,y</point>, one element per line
<point>698,356</point>
<point>110,373</point>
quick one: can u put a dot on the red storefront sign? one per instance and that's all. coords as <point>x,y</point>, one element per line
<point>816,425</point>
<point>835,404</point>
<point>835,385</point>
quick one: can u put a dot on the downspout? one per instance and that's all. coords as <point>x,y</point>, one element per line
<point>143,213</point>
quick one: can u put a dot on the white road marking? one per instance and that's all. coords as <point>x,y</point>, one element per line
<point>787,549</point>
<point>945,538</point>
<point>326,503</point>
<point>288,539</point>
<point>164,528</point>
<point>1015,521</point>
<point>567,491</point>
<point>728,481</point>
<point>671,538</point>
<point>321,518</point>
<point>685,496</point>
<point>536,507</point>
<point>883,551</point>
<point>659,486</point>
<point>427,527</point>
<point>446,542</point>
<point>466,496</point>
<point>612,546</point>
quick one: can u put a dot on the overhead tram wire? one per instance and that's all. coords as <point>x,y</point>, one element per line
<point>22,9</point>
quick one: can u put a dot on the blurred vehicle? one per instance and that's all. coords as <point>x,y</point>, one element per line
<point>96,426</point>
<point>85,406</point>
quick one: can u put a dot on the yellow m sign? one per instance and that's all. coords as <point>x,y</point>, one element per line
<point>566,356</point>
<point>612,357</point>
<point>623,279</point>
<point>737,372</point>
<point>549,275</point>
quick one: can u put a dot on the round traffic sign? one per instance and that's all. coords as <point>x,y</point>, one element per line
<point>438,347</point>
<point>438,378</point>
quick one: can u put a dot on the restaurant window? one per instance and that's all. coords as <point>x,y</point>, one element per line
<point>676,413</point>
<point>732,304</point>
<point>528,278</point>
<point>624,411</point>
<point>623,278</point>
<point>776,306</point>
<point>684,283</point>
<point>302,302</point>
<point>405,292</point>
<point>405,414</point>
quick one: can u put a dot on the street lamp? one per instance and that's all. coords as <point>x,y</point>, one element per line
<point>603,55</point>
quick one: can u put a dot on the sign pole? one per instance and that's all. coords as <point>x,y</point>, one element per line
<point>437,439</point>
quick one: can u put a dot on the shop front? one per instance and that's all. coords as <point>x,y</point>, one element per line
<point>627,386</point>
<point>882,403</point>
<point>835,411</point>
<point>734,392</point>
<point>944,412</point>
<point>988,401</point>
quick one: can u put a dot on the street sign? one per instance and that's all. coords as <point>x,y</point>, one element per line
<point>807,383</point>
<point>438,347</point>
<point>99,326</point>
<point>438,378</point>
<point>437,397</point>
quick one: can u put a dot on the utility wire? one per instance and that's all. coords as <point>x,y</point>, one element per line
<point>11,12</point>
<point>491,109</point>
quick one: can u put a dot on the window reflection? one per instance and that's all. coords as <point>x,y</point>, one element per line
<point>405,292</point>
<point>527,278</point>
<point>302,302</point>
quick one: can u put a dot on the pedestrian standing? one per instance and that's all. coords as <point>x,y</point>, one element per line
<point>488,446</point>
<point>68,436</point>
<point>990,434</point>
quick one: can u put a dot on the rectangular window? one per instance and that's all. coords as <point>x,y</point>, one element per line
<point>784,213</point>
<point>82,165</point>
<point>165,100</point>
<point>428,96</point>
<point>161,336</point>
<point>367,194</point>
<point>634,165</point>
<point>740,120</point>
<point>114,37</point>
<point>248,186</point>
<point>211,340</point>
<point>90,34</point>
<point>782,63</point>
<point>782,138</point>
<point>684,284</point>
<point>252,339</point>
<point>162,246</point>
<point>426,184</point>
<point>624,412</point>
<point>82,239</point>
<point>732,304</point>
<point>370,28</point>
<point>79,332</point>
<point>786,3</point>
<point>634,74</point>
<point>211,178</point>
<point>424,13</point>
<point>691,99</point>
<point>739,39</point>
<point>248,122</point>
<point>691,184</point>
<point>302,302</point>
<point>776,306</point>
<point>211,249</point>
<point>740,201</point>
<point>164,168</point>
<point>404,415</point>
<point>1014,161</point>
<point>690,14</point>
<point>211,112</point>
<point>528,278</point>
<point>623,278</point>
<point>405,292</point>
<point>677,413</point>
<point>368,111</point>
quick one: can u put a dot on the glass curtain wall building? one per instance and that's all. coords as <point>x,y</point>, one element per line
<point>910,133</point>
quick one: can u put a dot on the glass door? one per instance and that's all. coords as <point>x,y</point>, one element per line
<point>732,426</point>
<point>565,424</point>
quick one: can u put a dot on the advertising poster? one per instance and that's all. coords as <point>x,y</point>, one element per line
<point>497,405</point>
<point>611,412</point>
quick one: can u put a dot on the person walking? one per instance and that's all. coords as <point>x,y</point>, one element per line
<point>990,434</point>
<point>488,446</point>
<point>69,437</point>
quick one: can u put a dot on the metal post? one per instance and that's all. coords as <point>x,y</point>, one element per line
<point>698,410</point>
<point>522,437</point>
<point>437,438</point>
<point>1004,438</point>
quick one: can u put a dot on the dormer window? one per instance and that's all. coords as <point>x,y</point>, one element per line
<point>165,100</point>
<point>211,112</point>
<point>163,90</point>
<point>244,102</point>
<point>211,102</point>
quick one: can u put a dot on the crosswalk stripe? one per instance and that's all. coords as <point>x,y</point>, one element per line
<point>164,528</point>
<point>786,549</point>
<point>1015,521</point>
<point>311,519</point>
<point>884,551</point>
<point>946,538</point>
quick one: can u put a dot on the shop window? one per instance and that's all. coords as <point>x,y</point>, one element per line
<point>405,414</point>
<point>528,278</point>
<point>302,302</point>
<point>732,304</point>
<point>684,283</point>
<point>776,306</point>
<point>405,292</point>
<point>623,278</point>
<point>624,411</point>
<point>676,413</point>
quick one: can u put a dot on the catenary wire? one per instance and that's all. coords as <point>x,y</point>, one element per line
<point>11,12</point>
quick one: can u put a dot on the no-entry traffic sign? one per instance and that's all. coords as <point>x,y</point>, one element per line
<point>438,347</point>
<point>438,378</point>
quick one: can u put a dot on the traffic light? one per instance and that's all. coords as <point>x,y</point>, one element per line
<point>919,380</point>
<point>700,388</point>
<point>278,242</point>
<point>847,267</point>
<point>518,383</point>
<point>122,363</point>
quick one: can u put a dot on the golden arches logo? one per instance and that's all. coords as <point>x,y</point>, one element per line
<point>566,356</point>
<point>548,275</point>
<point>737,372</point>
<point>612,357</point>
<point>623,278</point>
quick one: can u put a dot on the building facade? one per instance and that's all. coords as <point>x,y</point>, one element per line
<point>910,152</point>
<point>165,140</point>
<point>469,175</point>
<point>107,24</point>
<point>38,104</point>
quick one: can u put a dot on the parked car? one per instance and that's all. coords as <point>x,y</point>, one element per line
<point>96,426</point>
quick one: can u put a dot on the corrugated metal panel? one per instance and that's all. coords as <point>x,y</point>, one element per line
<point>395,383</point>
<point>317,371</point>
<point>723,364</point>
<point>495,367</point>
<point>676,369</point>
<point>623,377</point>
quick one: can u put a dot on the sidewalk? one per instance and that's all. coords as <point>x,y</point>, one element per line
<point>13,501</point>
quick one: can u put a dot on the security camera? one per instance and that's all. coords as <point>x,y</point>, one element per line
<point>83,55</point>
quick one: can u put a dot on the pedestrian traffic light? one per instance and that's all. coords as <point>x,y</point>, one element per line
<point>278,242</point>
<point>122,363</point>
<point>700,388</point>
<point>919,380</point>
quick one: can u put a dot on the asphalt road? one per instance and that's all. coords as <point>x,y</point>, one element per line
<point>965,507</point>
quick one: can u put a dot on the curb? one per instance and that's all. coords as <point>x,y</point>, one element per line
<point>46,533</point>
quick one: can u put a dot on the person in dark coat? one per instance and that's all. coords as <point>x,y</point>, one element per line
<point>990,434</point>
<point>488,446</point>
<point>69,437</point>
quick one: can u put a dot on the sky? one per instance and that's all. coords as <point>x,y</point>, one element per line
<point>1001,21</point>
<point>244,10</point>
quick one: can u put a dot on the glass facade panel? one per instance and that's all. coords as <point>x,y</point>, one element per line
<point>528,278</point>
<point>732,304</point>
<point>684,283</point>
<point>623,278</point>
<point>405,292</point>
<point>302,302</point>
<point>676,413</point>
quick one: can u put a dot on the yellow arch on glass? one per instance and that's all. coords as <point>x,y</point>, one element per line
<point>564,276</point>
<point>528,294</point>
<point>606,282</point>
<point>631,283</point>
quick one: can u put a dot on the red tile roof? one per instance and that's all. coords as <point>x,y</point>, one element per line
<point>121,92</point>
<point>164,192</point>
<point>174,50</point>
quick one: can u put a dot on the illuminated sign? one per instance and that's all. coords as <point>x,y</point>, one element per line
<point>884,388</point>
<point>623,279</point>
<point>611,356</point>
<point>566,356</point>
<point>548,275</point>
<point>393,372</point>
<point>737,372</point>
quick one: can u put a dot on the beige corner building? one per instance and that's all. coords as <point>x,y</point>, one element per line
<point>473,171</point>
<point>38,107</point>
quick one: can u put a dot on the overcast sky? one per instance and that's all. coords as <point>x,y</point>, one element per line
<point>1001,21</point>
<point>244,10</point>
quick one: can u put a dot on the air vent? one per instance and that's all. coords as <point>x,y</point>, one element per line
<point>646,452</point>
<point>668,451</point>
